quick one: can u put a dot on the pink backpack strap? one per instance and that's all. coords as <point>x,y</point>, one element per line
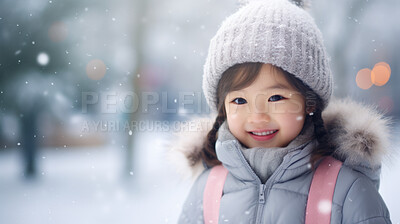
<point>319,204</point>
<point>213,193</point>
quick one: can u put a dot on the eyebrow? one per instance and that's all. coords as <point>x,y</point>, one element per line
<point>278,86</point>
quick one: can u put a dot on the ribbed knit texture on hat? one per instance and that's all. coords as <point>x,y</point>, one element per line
<point>269,31</point>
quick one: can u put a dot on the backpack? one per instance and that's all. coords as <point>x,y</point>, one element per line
<point>320,194</point>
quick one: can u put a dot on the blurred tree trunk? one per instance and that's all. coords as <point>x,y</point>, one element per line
<point>138,34</point>
<point>329,13</point>
<point>343,65</point>
<point>29,142</point>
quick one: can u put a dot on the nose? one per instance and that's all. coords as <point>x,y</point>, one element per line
<point>257,118</point>
<point>259,113</point>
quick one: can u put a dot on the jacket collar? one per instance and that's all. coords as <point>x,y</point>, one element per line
<point>229,152</point>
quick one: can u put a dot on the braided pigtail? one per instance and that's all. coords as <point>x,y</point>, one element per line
<point>208,153</point>
<point>313,105</point>
<point>319,128</point>
<point>324,148</point>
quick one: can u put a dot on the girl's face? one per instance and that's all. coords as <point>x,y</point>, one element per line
<point>268,113</point>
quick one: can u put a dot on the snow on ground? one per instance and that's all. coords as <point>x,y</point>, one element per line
<point>86,185</point>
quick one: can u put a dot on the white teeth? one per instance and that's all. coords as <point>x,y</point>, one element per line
<point>263,133</point>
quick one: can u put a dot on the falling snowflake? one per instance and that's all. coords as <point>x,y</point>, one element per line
<point>324,206</point>
<point>43,59</point>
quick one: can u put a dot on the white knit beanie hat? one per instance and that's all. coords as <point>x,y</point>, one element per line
<point>277,32</point>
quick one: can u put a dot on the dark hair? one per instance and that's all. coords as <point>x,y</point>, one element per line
<point>242,75</point>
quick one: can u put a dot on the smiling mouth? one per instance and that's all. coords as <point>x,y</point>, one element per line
<point>263,135</point>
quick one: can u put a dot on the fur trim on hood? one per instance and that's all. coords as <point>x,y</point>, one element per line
<point>360,134</point>
<point>185,148</point>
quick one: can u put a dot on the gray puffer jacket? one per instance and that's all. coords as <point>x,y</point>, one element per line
<point>361,139</point>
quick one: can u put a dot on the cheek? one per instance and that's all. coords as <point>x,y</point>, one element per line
<point>295,107</point>
<point>285,107</point>
<point>235,122</point>
<point>234,112</point>
<point>292,124</point>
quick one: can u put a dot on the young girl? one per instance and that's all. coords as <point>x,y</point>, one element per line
<point>267,77</point>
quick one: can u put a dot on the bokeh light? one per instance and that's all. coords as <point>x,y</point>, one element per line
<point>58,32</point>
<point>96,69</point>
<point>363,78</point>
<point>43,59</point>
<point>380,74</point>
<point>384,64</point>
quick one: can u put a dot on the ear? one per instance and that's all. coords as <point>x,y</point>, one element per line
<point>310,102</point>
<point>310,109</point>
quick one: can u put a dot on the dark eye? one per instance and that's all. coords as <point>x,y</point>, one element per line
<point>239,101</point>
<point>275,98</point>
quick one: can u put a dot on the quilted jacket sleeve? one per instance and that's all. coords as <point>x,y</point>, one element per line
<point>192,210</point>
<point>364,205</point>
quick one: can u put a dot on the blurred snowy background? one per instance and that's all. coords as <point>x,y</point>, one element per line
<point>91,90</point>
